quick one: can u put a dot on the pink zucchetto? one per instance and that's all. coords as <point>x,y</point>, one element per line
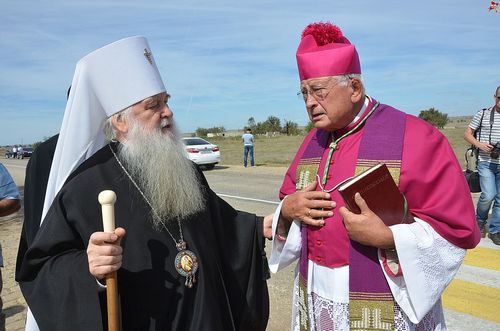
<point>324,51</point>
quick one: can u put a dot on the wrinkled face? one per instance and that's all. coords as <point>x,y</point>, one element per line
<point>329,103</point>
<point>153,112</point>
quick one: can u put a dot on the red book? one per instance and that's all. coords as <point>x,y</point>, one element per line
<point>380,192</point>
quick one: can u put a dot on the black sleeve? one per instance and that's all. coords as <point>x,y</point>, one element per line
<point>54,276</point>
<point>244,263</point>
<point>35,185</point>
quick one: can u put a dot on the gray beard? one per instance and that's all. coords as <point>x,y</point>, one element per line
<point>158,164</point>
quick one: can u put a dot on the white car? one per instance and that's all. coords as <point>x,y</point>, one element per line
<point>202,152</point>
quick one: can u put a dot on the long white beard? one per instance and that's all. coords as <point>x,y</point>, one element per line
<point>159,165</point>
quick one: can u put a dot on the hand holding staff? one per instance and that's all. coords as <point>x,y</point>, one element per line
<point>107,200</point>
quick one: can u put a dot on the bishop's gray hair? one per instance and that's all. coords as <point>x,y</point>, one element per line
<point>108,128</point>
<point>344,79</point>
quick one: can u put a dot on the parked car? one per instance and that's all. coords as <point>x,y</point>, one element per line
<point>25,152</point>
<point>202,152</point>
<point>10,154</point>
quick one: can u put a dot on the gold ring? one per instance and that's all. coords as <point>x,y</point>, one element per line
<point>309,212</point>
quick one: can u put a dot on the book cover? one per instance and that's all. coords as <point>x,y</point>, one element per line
<point>380,192</point>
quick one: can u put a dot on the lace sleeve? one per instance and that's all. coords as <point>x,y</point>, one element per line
<point>428,262</point>
<point>439,261</point>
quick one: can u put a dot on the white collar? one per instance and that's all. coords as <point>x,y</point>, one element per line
<point>362,110</point>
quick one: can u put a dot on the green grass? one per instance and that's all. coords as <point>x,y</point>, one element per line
<point>280,150</point>
<point>456,138</point>
<point>268,151</point>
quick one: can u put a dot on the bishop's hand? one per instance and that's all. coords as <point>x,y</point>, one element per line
<point>267,226</point>
<point>104,252</point>
<point>366,228</point>
<point>308,206</point>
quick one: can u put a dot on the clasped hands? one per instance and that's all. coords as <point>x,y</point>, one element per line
<point>312,207</point>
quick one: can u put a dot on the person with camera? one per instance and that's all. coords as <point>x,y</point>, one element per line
<point>484,134</point>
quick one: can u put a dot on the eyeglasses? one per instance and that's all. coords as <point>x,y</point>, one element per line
<point>318,93</point>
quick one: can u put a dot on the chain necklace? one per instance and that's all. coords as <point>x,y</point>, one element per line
<point>186,262</point>
<point>333,147</point>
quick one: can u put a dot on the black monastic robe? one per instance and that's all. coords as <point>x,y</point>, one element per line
<point>35,185</point>
<point>230,292</point>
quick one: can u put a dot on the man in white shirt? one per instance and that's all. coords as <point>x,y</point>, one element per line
<point>248,142</point>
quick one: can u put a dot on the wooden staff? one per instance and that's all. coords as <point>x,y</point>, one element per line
<point>107,200</point>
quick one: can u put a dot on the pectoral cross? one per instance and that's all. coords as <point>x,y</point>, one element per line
<point>147,54</point>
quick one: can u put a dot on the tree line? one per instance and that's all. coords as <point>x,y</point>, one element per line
<point>434,117</point>
<point>273,125</point>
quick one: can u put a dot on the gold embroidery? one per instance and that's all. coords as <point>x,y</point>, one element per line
<point>365,315</point>
<point>303,310</point>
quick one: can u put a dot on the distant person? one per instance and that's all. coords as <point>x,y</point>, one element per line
<point>248,141</point>
<point>484,133</point>
<point>354,272</point>
<point>10,202</point>
<point>14,152</point>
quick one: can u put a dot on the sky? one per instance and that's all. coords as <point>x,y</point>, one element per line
<point>226,61</point>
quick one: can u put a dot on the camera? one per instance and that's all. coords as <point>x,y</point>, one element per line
<point>495,151</point>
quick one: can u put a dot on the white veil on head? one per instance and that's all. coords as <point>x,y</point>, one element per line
<point>106,81</point>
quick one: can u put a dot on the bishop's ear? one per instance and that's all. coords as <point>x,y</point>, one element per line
<point>357,90</point>
<point>120,123</point>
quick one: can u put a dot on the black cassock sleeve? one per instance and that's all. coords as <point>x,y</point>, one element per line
<point>55,279</point>
<point>244,262</point>
<point>35,185</point>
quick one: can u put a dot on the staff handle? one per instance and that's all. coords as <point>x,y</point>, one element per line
<point>107,200</point>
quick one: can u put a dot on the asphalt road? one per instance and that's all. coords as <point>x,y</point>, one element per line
<point>472,301</point>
